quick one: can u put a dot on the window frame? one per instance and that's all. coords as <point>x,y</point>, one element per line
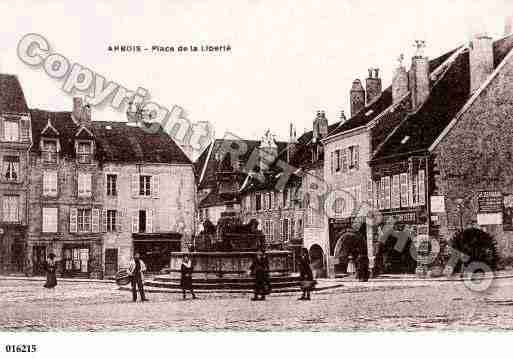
<point>83,217</point>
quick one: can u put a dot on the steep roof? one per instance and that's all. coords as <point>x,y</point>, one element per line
<point>116,142</point>
<point>12,98</point>
<point>420,129</point>
<point>380,104</point>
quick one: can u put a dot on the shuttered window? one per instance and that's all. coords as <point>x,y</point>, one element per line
<point>11,208</point>
<point>50,183</point>
<point>49,220</point>
<point>84,185</point>
<point>404,190</point>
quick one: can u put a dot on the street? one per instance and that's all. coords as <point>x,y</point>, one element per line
<point>26,305</point>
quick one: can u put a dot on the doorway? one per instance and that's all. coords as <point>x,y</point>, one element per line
<point>38,259</point>
<point>111,261</point>
<point>76,261</point>
<point>317,261</point>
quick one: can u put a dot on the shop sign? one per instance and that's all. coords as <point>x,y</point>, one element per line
<point>490,202</point>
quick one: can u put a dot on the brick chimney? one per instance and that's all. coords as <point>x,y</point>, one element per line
<point>81,111</point>
<point>419,76</point>
<point>357,97</point>
<point>481,60</point>
<point>399,81</point>
<point>373,85</point>
<point>292,145</point>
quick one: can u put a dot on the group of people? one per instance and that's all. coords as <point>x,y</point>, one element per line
<point>259,269</point>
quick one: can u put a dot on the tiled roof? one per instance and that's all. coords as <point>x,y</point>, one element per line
<point>116,141</point>
<point>12,98</point>
<point>376,107</point>
<point>420,129</point>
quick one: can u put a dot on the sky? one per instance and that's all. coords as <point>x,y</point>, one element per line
<point>288,59</point>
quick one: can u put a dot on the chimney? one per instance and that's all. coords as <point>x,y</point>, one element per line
<point>315,132</point>
<point>320,126</point>
<point>268,151</point>
<point>399,81</point>
<point>419,76</point>
<point>292,145</point>
<point>342,117</point>
<point>81,111</point>
<point>481,60</point>
<point>357,97</point>
<point>373,85</point>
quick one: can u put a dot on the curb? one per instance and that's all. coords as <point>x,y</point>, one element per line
<point>66,280</point>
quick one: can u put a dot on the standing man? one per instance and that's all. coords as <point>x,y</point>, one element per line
<point>136,270</point>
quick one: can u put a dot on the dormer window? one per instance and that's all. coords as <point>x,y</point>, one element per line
<point>49,151</point>
<point>84,152</point>
<point>11,131</point>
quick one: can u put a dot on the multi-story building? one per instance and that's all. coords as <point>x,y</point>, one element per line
<point>15,141</point>
<point>65,194</point>
<point>290,211</point>
<point>100,190</point>
<point>374,115</point>
<point>448,164</point>
<point>149,194</point>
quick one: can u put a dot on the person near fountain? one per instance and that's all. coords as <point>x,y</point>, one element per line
<point>260,269</point>
<point>186,276</point>
<point>50,268</point>
<point>136,270</point>
<point>306,276</point>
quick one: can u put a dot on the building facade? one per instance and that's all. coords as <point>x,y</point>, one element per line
<point>15,142</point>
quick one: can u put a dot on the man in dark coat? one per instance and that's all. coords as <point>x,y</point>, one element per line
<point>260,269</point>
<point>136,270</point>
<point>306,276</point>
<point>186,270</point>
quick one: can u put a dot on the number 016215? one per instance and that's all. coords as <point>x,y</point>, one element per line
<point>21,348</point>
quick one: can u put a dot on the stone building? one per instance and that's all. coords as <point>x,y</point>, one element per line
<point>100,190</point>
<point>448,164</point>
<point>65,194</point>
<point>286,198</point>
<point>15,141</point>
<point>349,148</point>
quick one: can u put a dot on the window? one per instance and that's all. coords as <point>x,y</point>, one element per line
<point>11,168</point>
<point>84,185</point>
<point>258,199</point>
<point>50,183</point>
<point>111,220</point>
<point>84,220</point>
<point>285,230</point>
<point>285,198</point>
<point>49,220</point>
<point>353,156</point>
<point>337,160</point>
<point>84,152</point>
<point>11,131</point>
<point>11,208</point>
<point>142,221</point>
<point>145,185</point>
<point>112,189</point>
<point>404,190</point>
<point>49,151</point>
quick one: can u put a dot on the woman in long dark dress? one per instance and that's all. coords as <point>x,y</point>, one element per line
<point>50,268</point>
<point>260,269</point>
<point>186,277</point>
<point>306,276</point>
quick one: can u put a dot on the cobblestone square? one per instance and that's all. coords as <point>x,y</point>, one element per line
<point>394,305</point>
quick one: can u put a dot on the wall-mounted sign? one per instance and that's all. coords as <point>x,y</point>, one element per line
<point>490,201</point>
<point>437,204</point>
<point>484,219</point>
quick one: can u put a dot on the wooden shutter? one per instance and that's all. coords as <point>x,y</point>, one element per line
<point>404,190</point>
<point>120,217</point>
<point>73,220</point>
<point>396,191</point>
<point>53,183</point>
<point>387,192</point>
<point>344,160</point>
<point>356,155</point>
<point>135,185</point>
<point>104,220</point>
<point>422,188</point>
<point>410,190</point>
<point>135,222</point>
<point>95,225</point>
<point>155,186</point>
<point>24,130</point>
<point>88,184</point>
<point>369,193</point>
<point>150,214</point>
<point>332,160</point>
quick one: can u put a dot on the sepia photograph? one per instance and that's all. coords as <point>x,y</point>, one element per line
<point>233,168</point>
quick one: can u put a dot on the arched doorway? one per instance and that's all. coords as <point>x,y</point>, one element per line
<point>317,261</point>
<point>350,245</point>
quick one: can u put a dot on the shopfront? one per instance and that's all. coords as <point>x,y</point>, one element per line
<point>155,248</point>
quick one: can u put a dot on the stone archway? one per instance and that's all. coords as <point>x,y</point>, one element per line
<point>317,261</point>
<point>349,245</point>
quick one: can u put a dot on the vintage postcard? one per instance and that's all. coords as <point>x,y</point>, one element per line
<point>242,166</point>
